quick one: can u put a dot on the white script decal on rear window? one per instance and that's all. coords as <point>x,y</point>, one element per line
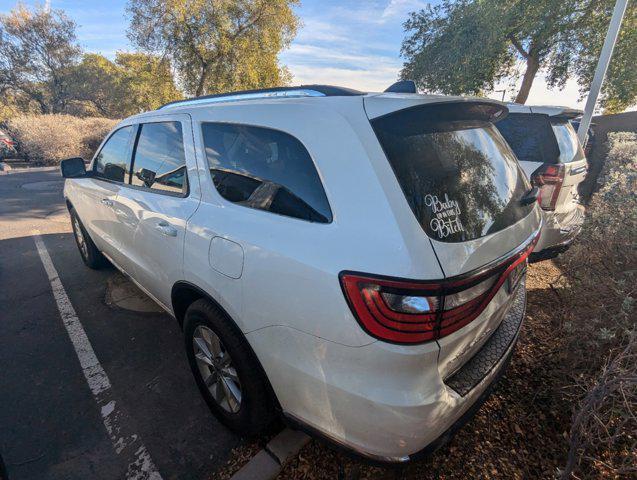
<point>446,213</point>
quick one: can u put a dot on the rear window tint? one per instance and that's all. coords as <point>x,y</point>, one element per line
<point>265,169</point>
<point>459,177</point>
<point>569,147</point>
<point>530,136</point>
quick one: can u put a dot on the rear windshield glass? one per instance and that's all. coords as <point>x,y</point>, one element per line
<point>460,177</point>
<point>570,149</point>
<point>530,136</point>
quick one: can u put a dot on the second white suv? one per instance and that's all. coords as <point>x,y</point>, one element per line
<point>549,152</point>
<point>354,262</point>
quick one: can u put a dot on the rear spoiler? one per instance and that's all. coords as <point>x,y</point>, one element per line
<point>379,106</point>
<point>562,113</point>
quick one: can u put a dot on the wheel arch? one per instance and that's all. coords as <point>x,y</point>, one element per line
<point>184,293</point>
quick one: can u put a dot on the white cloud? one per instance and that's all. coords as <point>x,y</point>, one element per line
<point>401,8</point>
<point>317,64</point>
<point>371,80</point>
<point>315,54</point>
<point>314,30</point>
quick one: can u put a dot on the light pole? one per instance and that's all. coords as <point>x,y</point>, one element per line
<point>602,66</point>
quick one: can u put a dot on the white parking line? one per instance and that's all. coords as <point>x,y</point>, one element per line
<point>140,464</point>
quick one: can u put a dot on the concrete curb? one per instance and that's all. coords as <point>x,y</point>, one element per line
<point>269,462</point>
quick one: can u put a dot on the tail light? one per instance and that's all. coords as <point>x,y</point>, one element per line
<point>408,311</point>
<point>548,178</point>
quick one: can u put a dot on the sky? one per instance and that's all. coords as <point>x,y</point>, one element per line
<point>350,43</point>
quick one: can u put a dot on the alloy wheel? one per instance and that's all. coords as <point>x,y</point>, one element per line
<point>81,241</point>
<point>216,369</point>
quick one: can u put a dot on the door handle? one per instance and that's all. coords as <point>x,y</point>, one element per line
<point>107,202</point>
<point>166,228</point>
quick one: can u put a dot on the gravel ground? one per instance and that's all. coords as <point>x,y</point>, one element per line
<point>519,433</point>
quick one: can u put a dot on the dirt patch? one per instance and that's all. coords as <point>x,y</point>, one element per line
<point>123,293</point>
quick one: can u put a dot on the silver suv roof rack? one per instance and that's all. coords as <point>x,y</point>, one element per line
<point>277,92</point>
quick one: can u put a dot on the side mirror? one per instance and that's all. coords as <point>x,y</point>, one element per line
<point>73,168</point>
<point>146,176</point>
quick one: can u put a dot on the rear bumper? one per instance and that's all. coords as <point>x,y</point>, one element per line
<point>384,402</point>
<point>558,232</point>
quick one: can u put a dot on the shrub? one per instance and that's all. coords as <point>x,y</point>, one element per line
<point>52,138</point>
<point>599,327</point>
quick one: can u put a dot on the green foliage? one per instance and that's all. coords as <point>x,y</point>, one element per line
<point>147,80</point>
<point>620,88</point>
<point>217,46</point>
<point>93,96</point>
<point>36,50</point>
<point>436,48</point>
<point>42,71</point>
<point>135,82</point>
<point>467,46</point>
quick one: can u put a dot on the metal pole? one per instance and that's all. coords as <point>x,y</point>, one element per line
<point>602,66</point>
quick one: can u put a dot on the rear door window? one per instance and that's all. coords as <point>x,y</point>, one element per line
<point>159,161</point>
<point>531,137</point>
<point>265,169</point>
<point>459,176</point>
<point>113,160</point>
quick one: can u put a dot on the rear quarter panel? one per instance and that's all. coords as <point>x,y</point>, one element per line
<point>291,266</point>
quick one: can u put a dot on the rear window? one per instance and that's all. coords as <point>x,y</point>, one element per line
<point>459,176</point>
<point>531,137</point>
<point>570,149</point>
<point>265,169</point>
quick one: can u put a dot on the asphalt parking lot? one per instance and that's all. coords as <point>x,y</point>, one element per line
<point>55,421</point>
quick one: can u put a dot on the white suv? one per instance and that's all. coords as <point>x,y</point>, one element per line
<point>353,262</point>
<point>550,154</point>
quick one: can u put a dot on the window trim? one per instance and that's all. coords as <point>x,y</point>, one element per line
<point>229,202</point>
<point>128,184</point>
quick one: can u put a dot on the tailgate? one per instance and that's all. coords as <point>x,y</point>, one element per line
<point>459,177</point>
<point>468,193</point>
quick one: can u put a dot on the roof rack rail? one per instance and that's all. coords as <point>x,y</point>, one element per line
<point>276,92</point>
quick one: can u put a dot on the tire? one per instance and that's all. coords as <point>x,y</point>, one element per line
<point>236,366</point>
<point>91,256</point>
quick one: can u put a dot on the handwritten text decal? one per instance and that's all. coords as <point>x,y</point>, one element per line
<point>446,215</point>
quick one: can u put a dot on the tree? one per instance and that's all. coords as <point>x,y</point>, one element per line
<point>147,80</point>
<point>96,87</point>
<point>133,83</point>
<point>620,87</point>
<point>37,48</point>
<point>465,47</point>
<point>217,45</point>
